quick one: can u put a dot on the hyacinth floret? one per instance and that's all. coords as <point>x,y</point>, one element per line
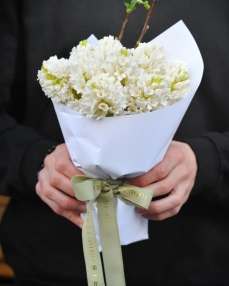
<point>110,80</point>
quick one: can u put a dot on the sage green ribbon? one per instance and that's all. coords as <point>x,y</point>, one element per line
<point>103,191</point>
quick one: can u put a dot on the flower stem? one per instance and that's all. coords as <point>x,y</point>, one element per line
<point>146,27</point>
<point>124,25</point>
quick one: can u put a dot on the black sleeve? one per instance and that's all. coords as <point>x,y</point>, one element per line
<point>22,149</point>
<point>212,180</point>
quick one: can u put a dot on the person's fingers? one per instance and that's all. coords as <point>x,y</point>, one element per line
<point>171,180</point>
<point>162,216</point>
<point>161,188</point>
<point>54,185</point>
<point>61,182</point>
<point>162,205</point>
<point>63,200</point>
<point>54,192</point>
<point>59,170</point>
<point>66,168</point>
<point>179,175</point>
<point>60,161</point>
<point>178,153</point>
<point>56,180</point>
<point>168,206</point>
<point>159,172</point>
<point>63,205</point>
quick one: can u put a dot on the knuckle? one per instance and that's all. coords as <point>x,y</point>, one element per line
<point>59,147</point>
<point>156,209</point>
<point>66,204</point>
<point>177,200</point>
<point>70,216</point>
<point>138,181</point>
<point>159,217</point>
<point>142,181</point>
<point>180,155</point>
<point>161,171</point>
<point>58,210</point>
<point>60,165</point>
<point>46,191</point>
<point>54,179</point>
<point>166,186</point>
<point>186,171</point>
<point>174,211</point>
<point>47,160</point>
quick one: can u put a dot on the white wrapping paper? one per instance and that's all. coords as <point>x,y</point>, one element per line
<point>128,146</point>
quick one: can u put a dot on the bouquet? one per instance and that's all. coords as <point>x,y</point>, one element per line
<point>118,109</point>
<point>107,79</point>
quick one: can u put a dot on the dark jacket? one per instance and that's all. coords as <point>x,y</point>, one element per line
<point>191,248</point>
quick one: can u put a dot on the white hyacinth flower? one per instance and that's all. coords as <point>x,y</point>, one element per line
<point>111,80</point>
<point>54,80</point>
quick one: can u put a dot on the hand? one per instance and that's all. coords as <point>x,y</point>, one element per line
<point>172,178</point>
<point>54,185</point>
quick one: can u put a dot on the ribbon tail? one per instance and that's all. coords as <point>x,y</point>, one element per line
<point>112,253</point>
<point>91,252</point>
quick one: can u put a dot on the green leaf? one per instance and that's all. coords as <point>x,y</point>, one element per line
<point>127,5</point>
<point>144,3</point>
<point>130,7</point>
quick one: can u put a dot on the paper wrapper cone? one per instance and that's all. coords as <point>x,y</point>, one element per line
<point>128,146</point>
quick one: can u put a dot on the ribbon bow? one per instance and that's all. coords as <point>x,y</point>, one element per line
<point>102,191</point>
